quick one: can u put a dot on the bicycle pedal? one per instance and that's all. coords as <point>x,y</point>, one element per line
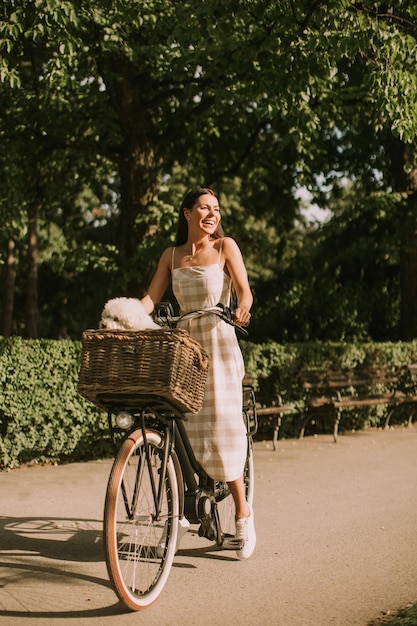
<point>207,531</point>
<point>231,543</point>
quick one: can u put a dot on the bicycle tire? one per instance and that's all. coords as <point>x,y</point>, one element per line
<point>225,502</point>
<point>139,548</point>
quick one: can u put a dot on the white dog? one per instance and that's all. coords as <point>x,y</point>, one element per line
<point>126,314</point>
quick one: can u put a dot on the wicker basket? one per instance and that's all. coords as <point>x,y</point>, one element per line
<point>117,365</point>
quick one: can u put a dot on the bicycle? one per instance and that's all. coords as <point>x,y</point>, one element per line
<point>155,482</point>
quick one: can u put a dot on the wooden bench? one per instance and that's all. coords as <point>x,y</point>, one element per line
<point>406,393</point>
<point>271,406</point>
<point>332,391</point>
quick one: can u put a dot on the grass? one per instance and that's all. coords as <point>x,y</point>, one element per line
<point>405,617</point>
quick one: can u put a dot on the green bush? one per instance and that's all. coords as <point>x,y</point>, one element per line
<point>50,422</point>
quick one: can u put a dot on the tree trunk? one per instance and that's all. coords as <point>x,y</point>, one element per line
<point>32,276</point>
<point>408,253</point>
<point>9,287</point>
<point>138,177</point>
<point>138,169</point>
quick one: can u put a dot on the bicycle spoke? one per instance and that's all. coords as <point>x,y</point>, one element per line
<point>140,531</point>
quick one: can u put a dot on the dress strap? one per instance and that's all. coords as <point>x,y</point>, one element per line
<point>220,250</point>
<point>172,260</point>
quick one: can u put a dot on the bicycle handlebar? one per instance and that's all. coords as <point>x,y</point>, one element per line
<point>164,315</point>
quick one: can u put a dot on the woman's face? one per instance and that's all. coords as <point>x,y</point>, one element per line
<point>205,214</point>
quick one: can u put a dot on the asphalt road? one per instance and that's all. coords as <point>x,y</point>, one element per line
<point>337,543</point>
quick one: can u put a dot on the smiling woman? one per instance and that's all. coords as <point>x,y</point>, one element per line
<point>205,266</point>
<point>202,198</point>
<point>203,222</point>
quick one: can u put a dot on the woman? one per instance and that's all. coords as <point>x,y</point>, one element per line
<point>204,266</point>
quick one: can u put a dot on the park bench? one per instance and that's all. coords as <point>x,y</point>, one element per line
<point>406,393</point>
<point>332,391</point>
<point>271,406</point>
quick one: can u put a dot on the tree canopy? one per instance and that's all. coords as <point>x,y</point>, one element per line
<point>111,110</point>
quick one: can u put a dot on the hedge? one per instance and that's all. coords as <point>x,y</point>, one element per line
<point>48,421</point>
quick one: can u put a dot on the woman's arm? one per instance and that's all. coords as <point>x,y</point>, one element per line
<point>159,282</point>
<point>236,268</point>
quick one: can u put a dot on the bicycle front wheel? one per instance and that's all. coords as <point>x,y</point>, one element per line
<point>141,520</point>
<point>225,502</point>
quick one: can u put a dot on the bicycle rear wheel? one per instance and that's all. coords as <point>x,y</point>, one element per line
<point>225,502</point>
<point>139,541</point>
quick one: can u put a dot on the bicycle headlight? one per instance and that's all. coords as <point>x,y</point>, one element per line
<point>124,420</point>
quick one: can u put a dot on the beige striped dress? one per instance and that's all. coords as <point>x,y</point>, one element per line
<point>217,433</point>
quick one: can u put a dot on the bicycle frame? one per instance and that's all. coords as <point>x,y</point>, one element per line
<point>197,495</point>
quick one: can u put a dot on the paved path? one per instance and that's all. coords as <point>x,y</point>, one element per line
<point>337,543</point>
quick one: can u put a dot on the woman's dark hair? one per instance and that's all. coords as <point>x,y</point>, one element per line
<point>188,202</point>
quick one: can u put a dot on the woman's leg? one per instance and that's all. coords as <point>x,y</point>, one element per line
<point>245,527</point>
<point>237,490</point>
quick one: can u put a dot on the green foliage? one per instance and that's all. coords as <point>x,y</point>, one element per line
<point>342,282</point>
<point>405,617</point>
<point>275,369</point>
<point>110,110</point>
<point>50,422</point>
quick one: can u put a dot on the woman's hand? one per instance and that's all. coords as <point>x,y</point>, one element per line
<point>242,316</point>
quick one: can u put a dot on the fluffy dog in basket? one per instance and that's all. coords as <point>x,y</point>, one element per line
<point>126,314</point>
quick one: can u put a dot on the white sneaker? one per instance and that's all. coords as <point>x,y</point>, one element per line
<point>183,526</point>
<point>245,531</point>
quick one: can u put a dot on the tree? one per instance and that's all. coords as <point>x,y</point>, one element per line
<point>257,97</point>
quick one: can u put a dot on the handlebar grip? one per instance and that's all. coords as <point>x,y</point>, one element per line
<point>163,314</point>
<point>227,312</point>
<point>228,315</point>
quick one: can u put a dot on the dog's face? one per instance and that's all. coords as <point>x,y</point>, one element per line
<point>112,315</point>
<point>126,314</point>
<point>111,324</point>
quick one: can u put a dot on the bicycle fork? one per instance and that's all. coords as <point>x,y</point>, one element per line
<point>145,465</point>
